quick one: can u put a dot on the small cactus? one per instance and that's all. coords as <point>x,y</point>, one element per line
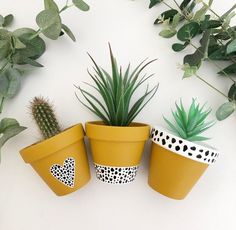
<point>45,118</point>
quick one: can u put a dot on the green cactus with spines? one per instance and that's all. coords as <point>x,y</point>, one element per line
<point>43,113</point>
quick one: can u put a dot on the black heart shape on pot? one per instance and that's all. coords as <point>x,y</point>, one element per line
<point>66,173</point>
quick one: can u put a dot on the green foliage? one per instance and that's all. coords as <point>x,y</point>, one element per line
<point>9,128</point>
<point>43,113</point>
<point>24,46</point>
<point>189,124</point>
<point>215,34</point>
<point>116,91</point>
<point>225,110</point>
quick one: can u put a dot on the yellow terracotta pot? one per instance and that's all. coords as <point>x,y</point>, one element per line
<point>116,150</point>
<point>61,161</point>
<point>177,164</point>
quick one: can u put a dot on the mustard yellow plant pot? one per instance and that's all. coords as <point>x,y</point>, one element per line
<point>177,164</point>
<point>61,161</point>
<point>116,150</point>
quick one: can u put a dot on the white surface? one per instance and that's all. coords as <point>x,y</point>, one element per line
<point>25,201</point>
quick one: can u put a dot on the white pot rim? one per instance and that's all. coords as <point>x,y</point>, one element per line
<point>185,148</point>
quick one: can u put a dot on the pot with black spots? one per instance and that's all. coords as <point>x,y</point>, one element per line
<point>177,163</point>
<point>117,151</point>
<point>117,143</point>
<point>61,159</point>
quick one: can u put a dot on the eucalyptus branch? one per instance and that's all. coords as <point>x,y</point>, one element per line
<point>213,87</point>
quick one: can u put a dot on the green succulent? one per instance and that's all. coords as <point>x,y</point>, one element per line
<point>188,125</point>
<point>116,91</point>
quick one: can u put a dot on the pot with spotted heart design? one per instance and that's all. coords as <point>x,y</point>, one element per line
<point>117,151</point>
<point>176,163</point>
<point>61,159</point>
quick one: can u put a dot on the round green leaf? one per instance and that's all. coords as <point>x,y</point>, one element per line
<point>10,82</point>
<point>81,5</point>
<point>4,49</point>
<point>232,92</point>
<point>49,22</point>
<point>167,33</point>
<point>225,110</point>
<point>178,47</point>
<point>188,31</point>
<point>34,47</point>
<point>50,4</point>
<point>8,20</point>
<point>231,47</point>
<point>169,14</point>
<point>1,20</point>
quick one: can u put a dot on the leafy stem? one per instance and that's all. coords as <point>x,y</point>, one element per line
<point>213,87</point>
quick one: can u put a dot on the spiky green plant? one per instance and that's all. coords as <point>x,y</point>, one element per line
<point>116,91</point>
<point>188,125</point>
<point>43,113</point>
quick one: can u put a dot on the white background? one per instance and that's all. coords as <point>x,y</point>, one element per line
<point>26,203</point>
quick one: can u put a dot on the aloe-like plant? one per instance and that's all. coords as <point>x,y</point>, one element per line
<point>43,113</point>
<point>116,91</point>
<point>188,125</point>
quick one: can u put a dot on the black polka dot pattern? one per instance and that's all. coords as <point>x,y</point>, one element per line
<point>183,147</point>
<point>66,173</point>
<point>116,175</point>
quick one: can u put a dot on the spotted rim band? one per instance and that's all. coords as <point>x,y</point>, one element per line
<point>183,147</point>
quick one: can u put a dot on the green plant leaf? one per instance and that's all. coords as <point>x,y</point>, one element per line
<point>4,49</point>
<point>10,81</point>
<point>231,69</point>
<point>169,14</point>
<point>200,14</point>
<point>179,47</point>
<point>154,2</point>
<point>232,92</point>
<point>81,5</point>
<point>167,33</point>
<point>225,110</point>
<point>50,4</point>
<point>8,20</point>
<point>49,22</point>
<point>18,44</point>
<point>1,20</point>
<point>188,31</point>
<point>184,4</point>
<point>189,71</point>
<point>231,47</point>
<point>34,47</point>
<point>68,32</point>
<point>32,62</point>
<point>9,128</point>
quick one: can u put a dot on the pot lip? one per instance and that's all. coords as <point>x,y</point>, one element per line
<point>135,125</point>
<point>47,147</point>
<point>191,150</point>
<point>136,132</point>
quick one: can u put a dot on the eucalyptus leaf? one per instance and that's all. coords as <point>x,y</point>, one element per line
<point>1,20</point>
<point>10,81</point>
<point>18,44</point>
<point>81,5</point>
<point>179,47</point>
<point>188,31</point>
<point>34,47</point>
<point>232,92</point>
<point>169,14</point>
<point>154,2</point>
<point>9,128</point>
<point>225,110</point>
<point>4,49</point>
<point>68,32</point>
<point>8,20</point>
<point>167,33</point>
<point>32,62</point>
<point>184,4</point>
<point>231,69</point>
<point>50,4</point>
<point>189,71</point>
<point>231,47</point>
<point>49,22</point>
